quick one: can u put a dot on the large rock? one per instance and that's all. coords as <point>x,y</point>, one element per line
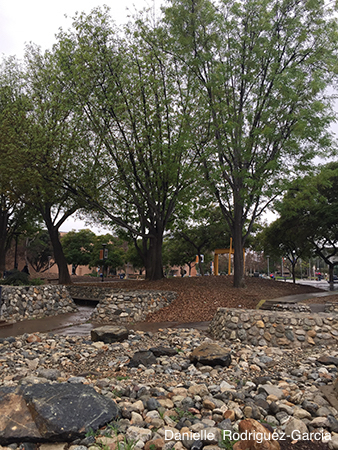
<point>163,351</point>
<point>211,355</point>
<point>109,334</point>
<point>16,423</point>
<point>146,357</point>
<point>52,412</point>
<point>331,393</point>
<point>256,430</point>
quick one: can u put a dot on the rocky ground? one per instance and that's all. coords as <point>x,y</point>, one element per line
<point>199,297</point>
<point>280,388</point>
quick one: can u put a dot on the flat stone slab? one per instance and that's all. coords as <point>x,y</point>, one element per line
<point>52,412</point>
<point>109,334</point>
<point>210,354</point>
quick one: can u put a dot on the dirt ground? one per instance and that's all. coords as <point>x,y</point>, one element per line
<point>199,297</point>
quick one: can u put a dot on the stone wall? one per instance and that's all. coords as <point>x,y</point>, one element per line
<point>126,307</point>
<point>90,292</point>
<point>274,328</point>
<point>26,302</point>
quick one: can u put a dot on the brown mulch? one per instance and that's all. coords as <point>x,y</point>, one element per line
<point>288,444</point>
<point>199,297</point>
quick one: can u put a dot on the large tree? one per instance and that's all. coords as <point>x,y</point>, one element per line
<point>262,68</point>
<point>141,112</point>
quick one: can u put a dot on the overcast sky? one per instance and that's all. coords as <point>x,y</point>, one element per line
<point>38,21</point>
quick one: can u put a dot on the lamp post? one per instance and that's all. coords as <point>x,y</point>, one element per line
<point>104,257</point>
<point>16,234</point>
<point>268,261</point>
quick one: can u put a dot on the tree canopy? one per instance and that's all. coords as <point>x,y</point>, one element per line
<point>262,69</point>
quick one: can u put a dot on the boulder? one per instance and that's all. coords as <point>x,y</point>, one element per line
<point>109,334</point>
<point>52,412</point>
<point>163,351</point>
<point>146,357</point>
<point>327,361</point>
<point>255,429</point>
<point>211,354</point>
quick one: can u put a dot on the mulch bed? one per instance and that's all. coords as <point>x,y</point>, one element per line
<point>199,297</point>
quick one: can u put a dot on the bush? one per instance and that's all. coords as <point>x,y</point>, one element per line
<point>16,278</point>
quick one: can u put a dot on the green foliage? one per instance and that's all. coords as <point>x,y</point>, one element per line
<point>311,204</point>
<point>225,441</point>
<point>116,253</point>
<point>40,251</point>
<point>261,71</point>
<point>78,247</point>
<point>16,278</point>
<point>140,110</point>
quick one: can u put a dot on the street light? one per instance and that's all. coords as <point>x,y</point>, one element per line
<point>16,234</point>
<point>268,260</point>
<point>104,257</point>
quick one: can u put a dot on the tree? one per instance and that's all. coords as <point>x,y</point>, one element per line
<point>13,130</point>
<point>116,253</point>
<point>78,247</point>
<point>207,232</point>
<point>39,251</point>
<point>285,238</point>
<point>44,148</point>
<point>262,68</point>
<point>141,113</point>
<point>312,205</point>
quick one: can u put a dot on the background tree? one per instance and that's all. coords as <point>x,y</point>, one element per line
<point>141,111</point>
<point>116,253</point>
<point>48,153</point>
<point>262,69</point>
<point>39,251</point>
<point>285,238</point>
<point>312,205</point>
<point>78,247</point>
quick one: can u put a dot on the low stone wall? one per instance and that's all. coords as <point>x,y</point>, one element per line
<point>93,292</point>
<point>275,329</point>
<point>26,302</point>
<point>126,307</point>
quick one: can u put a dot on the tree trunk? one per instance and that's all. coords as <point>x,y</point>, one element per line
<point>154,265</point>
<point>3,237</point>
<point>200,263</point>
<point>331,266</point>
<point>293,273</point>
<point>64,277</point>
<point>237,240</point>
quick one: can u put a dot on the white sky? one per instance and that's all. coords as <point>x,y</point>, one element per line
<point>38,21</point>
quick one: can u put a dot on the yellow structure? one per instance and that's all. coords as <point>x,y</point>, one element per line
<point>221,251</point>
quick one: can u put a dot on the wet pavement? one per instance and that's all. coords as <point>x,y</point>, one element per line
<point>76,324</point>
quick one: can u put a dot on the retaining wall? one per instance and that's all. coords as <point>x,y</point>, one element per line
<point>25,302</point>
<point>133,306</point>
<point>274,328</point>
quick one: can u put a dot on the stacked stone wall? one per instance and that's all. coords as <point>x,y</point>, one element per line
<point>275,329</point>
<point>25,302</point>
<point>126,307</point>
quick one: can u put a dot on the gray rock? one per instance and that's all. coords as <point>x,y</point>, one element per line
<point>49,374</point>
<point>109,334</point>
<point>211,354</point>
<point>146,358</point>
